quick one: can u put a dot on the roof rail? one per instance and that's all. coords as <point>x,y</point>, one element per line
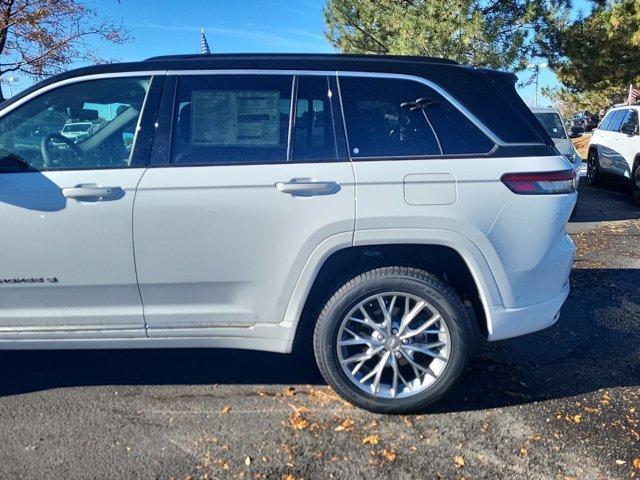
<point>310,56</point>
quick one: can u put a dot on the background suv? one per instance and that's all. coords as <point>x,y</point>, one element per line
<point>386,213</point>
<point>614,149</point>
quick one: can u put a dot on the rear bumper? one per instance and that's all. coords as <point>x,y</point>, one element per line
<point>513,322</point>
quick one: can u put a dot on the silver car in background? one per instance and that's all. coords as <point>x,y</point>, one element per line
<point>552,122</point>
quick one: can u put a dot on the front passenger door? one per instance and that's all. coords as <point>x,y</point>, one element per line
<point>70,161</point>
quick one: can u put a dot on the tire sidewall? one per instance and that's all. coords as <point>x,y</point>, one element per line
<point>452,312</point>
<point>635,189</point>
<point>593,167</point>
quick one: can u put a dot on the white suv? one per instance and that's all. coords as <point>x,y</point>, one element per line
<point>387,212</point>
<point>614,149</point>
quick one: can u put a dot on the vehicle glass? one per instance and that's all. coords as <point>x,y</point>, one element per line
<point>74,127</point>
<point>630,122</point>
<point>616,120</point>
<point>552,123</point>
<point>391,117</point>
<point>231,119</point>
<point>318,130</point>
<point>604,125</point>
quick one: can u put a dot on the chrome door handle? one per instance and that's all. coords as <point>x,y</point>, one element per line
<point>306,187</point>
<point>93,192</point>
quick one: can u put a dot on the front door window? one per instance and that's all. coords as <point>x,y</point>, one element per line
<point>85,125</point>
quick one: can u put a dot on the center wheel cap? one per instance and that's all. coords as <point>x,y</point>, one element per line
<point>393,343</point>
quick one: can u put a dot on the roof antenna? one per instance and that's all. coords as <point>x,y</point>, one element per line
<point>204,45</point>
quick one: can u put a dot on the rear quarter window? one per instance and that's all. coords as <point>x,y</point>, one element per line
<point>388,117</point>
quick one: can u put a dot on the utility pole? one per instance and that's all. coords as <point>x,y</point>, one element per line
<point>9,81</point>
<point>535,98</point>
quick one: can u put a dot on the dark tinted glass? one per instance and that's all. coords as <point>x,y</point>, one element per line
<point>552,123</point>
<point>616,120</point>
<point>318,131</point>
<point>491,96</point>
<point>456,133</point>
<point>630,122</point>
<point>378,125</point>
<point>228,119</point>
<point>85,125</point>
<point>389,117</point>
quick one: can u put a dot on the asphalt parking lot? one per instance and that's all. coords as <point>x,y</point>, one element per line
<point>563,403</point>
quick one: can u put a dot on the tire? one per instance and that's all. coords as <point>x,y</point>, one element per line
<point>635,188</point>
<point>594,175</point>
<point>453,329</point>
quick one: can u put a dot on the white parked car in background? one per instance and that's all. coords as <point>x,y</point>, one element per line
<point>552,122</point>
<point>217,208</point>
<point>614,149</point>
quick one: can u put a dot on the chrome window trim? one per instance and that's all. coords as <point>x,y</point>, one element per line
<point>347,73</point>
<point>82,78</point>
<point>400,76</point>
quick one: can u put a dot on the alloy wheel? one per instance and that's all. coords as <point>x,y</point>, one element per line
<point>393,345</point>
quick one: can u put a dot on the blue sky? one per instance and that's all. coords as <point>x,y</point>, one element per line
<point>161,27</point>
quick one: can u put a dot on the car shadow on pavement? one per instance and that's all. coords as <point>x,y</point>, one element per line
<point>609,202</point>
<point>596,344</point>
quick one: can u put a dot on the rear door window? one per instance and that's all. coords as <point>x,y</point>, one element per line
<point>231,119</point>
<point>318,133</point>
<point>398,118</point>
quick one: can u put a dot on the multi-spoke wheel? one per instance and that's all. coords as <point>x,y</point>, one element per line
<point>594,176</point>
<point>393,344</point>
<point>393,339</point>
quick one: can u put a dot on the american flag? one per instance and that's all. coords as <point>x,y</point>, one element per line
<point>204,45</point>
<point>634,93</point>
<point>531,79</point>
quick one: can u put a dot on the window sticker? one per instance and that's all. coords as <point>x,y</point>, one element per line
<point>235,117</point>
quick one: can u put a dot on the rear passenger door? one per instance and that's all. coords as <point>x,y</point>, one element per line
<point>250,183</point>
<point>611,159</point>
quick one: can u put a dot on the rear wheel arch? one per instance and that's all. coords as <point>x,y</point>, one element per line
<point>341,266</point>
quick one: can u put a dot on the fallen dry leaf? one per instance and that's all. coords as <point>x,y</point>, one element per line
<point>225,409</point>
<point>636,463</point>
<point>390,455</point>
<point>297,419</point>
<point>371,439</point>
<point>458,461</point>
<point>345,426</point>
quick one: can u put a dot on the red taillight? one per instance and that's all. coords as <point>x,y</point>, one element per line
<point>541,183</point>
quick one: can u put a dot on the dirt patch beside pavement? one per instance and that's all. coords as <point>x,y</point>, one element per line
<point>581,144</point>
